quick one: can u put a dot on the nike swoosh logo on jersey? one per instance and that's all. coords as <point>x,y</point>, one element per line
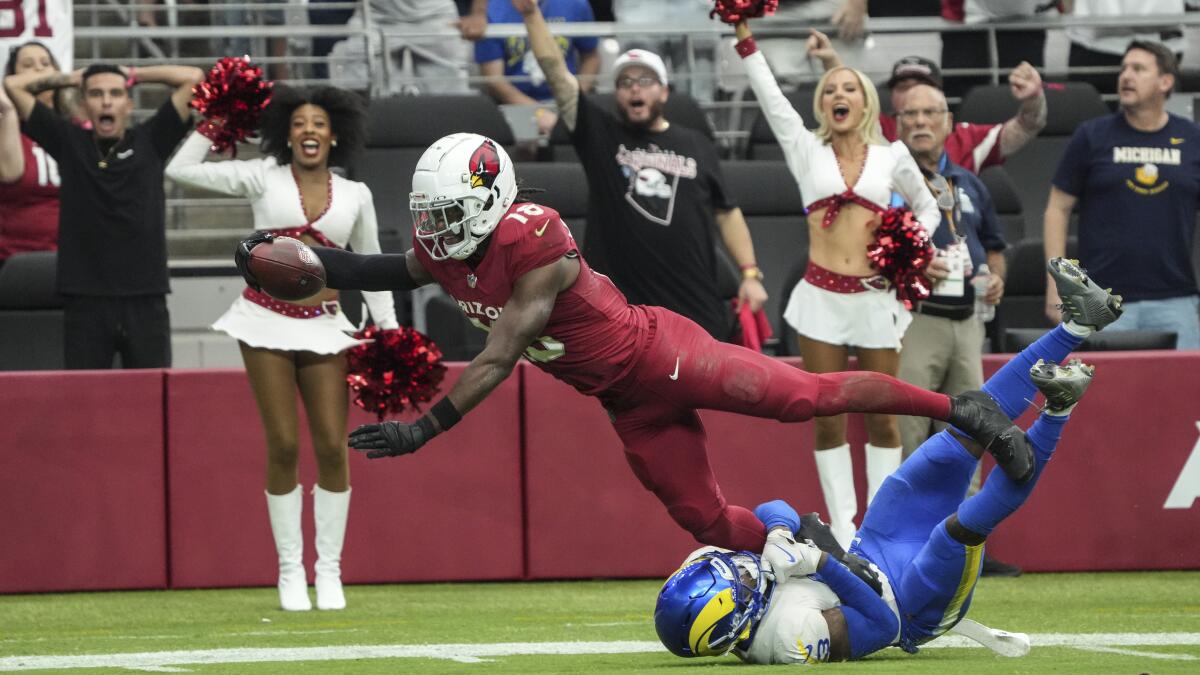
<point>791,558</point>
<point>542,230</point>
<point>1176,141</point>
<point>675,375</point>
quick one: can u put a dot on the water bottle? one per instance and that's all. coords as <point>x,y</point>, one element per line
<point>983,310</point>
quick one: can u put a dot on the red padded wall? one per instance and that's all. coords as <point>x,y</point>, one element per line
<point>589,516</point>
<point>1099,504</point>
<point>81,481</point>
<point>451,511</point>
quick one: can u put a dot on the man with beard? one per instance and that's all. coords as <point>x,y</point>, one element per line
<point>112,252</point>
<point>655,190</point>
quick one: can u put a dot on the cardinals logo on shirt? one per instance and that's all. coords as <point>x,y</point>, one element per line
<point>485,165</point>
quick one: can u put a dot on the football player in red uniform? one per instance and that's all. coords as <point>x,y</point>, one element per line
<point>516,272</point>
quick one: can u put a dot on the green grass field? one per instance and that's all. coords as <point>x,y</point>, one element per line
<point>546,627</point>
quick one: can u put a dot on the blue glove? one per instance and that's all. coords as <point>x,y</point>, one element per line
<point>776,513</point>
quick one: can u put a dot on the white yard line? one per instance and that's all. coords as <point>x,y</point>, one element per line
<point>1134,652</point>
<point>474,653</point>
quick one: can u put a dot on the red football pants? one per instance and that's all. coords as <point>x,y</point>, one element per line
<point>682,370</point>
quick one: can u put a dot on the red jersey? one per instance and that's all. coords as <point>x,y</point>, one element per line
<point>29,216</point>
<point>974,147</point>
<point>593,336</point>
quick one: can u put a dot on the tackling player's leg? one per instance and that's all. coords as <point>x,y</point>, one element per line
<point>667,450</point>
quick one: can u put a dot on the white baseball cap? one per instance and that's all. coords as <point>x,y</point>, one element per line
<point>641,57</point>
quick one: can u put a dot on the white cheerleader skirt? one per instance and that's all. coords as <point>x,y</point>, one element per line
<point>329,332</point>
<point>871,319</point>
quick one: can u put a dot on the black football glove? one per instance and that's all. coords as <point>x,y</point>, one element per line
<point>391,439</point>
<point>815,530</point>
<point>241,256</point>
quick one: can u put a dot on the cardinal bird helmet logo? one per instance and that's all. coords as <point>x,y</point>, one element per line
<point>485,165</point>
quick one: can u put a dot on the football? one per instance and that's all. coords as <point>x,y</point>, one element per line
<point>287,269</point>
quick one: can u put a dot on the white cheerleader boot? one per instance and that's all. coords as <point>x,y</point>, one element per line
<point>330,510</point>
<point>836,472</point>
<point>285,513</point>
<point>881,463</point>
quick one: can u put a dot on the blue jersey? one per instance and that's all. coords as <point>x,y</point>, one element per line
<point>973,217</point>
<point>514,51</point>
<point>1137,204</point>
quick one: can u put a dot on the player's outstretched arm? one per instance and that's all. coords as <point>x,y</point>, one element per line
<point>372,272</point>
<point>520,323</point>
<point>562,83</point>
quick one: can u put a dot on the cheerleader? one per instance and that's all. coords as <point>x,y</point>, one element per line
<point>300,346</point>
<point>847,174</point>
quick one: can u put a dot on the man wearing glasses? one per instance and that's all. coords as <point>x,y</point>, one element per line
<point>655,190</point>
<point>943,347</point>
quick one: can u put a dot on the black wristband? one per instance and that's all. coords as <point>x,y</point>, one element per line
<point>426,426</point>
<point>445,413</point>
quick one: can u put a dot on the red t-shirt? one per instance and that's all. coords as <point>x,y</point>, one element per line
<point>974,147</point>
<point>29,216</point>
<point>593,335</point>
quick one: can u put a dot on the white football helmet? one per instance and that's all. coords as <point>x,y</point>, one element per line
<point>462,186</point>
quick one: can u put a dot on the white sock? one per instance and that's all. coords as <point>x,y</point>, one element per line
<point>836,471</point>
<point>1077,330</point>
<point>881,463</point>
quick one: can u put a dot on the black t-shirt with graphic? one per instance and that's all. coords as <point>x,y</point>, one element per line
<point>651,225</point>
<point>111,236</point>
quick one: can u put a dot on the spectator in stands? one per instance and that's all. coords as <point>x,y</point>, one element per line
<point>288,346</point>
<point>655,190</point>
<point>418,65</point>
<point>112,252</point>
<point>1105,46</point>
<point>503,58</point>
<point>787,55</point>
<point>971,49</point>
<point>971,146</point>
<point>1134,177</point>
<point>233,13</point>
<point>943,347</point>
<point>471,25</point>
<point>699,72</point>
<point>846,173</point>
<point>28,175</point>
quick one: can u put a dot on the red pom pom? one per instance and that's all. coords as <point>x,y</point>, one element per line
<point>901,252</point>
<point>733,11</point>
<point>401,368</point>
<point>231,98</point>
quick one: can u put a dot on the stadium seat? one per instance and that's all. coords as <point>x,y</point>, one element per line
<point>762,144</point>
<point>399,131</point>
<point>1017,339</point>
<point>771,202</point>
<point>1068,105</point>
<point>1006,201</point>
<point>680,109</point>
<point>31,315</point>
<point>1032,168</point>
<point>560,185</point>
<point>1024,302</point>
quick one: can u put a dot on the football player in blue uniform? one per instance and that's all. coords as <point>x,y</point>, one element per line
<point>911,571</point>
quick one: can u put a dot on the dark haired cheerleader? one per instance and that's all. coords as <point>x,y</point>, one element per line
<point>289,346</point>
